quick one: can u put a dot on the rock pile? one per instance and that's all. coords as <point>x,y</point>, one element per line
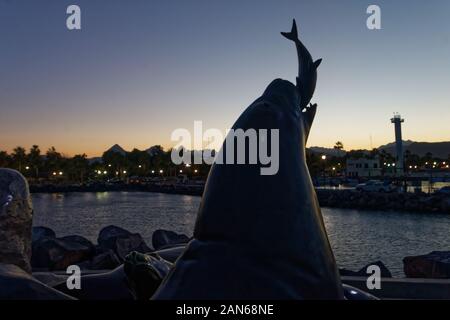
<point>50,253</point>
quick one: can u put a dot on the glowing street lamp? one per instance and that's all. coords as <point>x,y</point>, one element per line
<point>54,173</point>
<point>161,171</point>
<point>187,165</point>
<point>181,171</point>
<point>195,170</point>
<point>140,166</point>
<point>28,168</point>
<point>105,172</point>
<point>324,157</point>
<point>124,171</point>
<point>60,173</point>
<point>153,171</point>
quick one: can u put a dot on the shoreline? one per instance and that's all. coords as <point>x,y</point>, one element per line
<point>331,198</point>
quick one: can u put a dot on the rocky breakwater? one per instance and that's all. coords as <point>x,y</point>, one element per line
<point>434,265</point>
<point>410,202</point>
<point>50,253</point>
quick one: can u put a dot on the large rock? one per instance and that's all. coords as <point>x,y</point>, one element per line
<point>58,254</point>
<point>145,273</point>
<point>42,232</point>
<point>105,260</point>
<point>385,273</point>
<point>121,241</point>
<point>432,265</point>
<point>171,254</point>
<point>165,238</point>
<point>16,212</point>
<point>16,284</point>
<point>80,240</point>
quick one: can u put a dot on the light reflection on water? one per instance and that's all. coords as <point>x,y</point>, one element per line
<point>357,237</point>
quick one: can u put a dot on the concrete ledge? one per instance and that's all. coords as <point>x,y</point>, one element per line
<point>404,288</point>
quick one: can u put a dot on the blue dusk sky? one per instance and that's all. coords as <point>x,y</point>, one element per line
<point>137,70</point>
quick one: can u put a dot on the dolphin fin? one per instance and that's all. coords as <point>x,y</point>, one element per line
<point>317,63</point>
<point>293,35</point>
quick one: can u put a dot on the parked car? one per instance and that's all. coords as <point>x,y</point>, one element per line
<point>375,186</point>
<point>444,190</point>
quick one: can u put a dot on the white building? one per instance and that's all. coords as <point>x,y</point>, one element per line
<point>363,167</point>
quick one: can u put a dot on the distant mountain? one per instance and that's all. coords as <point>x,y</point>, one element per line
<point>152,151</point>
<point>118,149</point>
<point>437,149</point>
<point>392,144</point>
<point>328,151</point>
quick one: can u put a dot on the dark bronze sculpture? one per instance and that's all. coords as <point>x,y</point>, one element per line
<point>262,236</point>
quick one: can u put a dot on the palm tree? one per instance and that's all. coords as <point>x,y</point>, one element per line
<point>5,159</point>
<point>19,157</point>
<point>35,159</point>
<point>53,160</point>
<point>78,166</point>
<point>339,145</point>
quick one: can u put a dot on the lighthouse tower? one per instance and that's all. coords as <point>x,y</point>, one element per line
<point>399,166</point>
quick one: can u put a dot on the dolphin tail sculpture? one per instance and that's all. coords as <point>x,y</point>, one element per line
<point>261,236</point>
<point>307,74</point>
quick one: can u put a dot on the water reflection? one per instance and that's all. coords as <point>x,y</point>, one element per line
<point>357,237</point>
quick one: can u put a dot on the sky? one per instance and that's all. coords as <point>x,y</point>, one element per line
<point>137,70</point>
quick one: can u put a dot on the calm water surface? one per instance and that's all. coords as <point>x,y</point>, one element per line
<point>357,237</point>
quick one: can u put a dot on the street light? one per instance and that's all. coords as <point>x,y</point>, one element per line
<point>140,166</point>
<point>27,167</point>
<point>195,170</point>
<point>324,157</point>
<point>160,171</point>
<point>187,165</point>
<point>54,173</point>
<point>181,171</point>
<point>153,171</point>
<point>105,172</point>
<point>60,173</point>
<point>124,171</point>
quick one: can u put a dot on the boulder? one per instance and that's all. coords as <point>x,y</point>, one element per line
<point>80,240</point>
<point>58,254</point>
<point>16,214</point>
<point>385,273</point>
<point>435,264</point>
<point>165,238</point>
<point>121,241</point>
<point>171,254</point>
<point>42,232</point>
<point>145,273</point>
<point>105,260</point>
<point>16,284</point>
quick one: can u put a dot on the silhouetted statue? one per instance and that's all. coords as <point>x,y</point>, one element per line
<point>262,236</point>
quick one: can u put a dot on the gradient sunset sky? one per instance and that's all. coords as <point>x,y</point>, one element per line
<point>140,69</point>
